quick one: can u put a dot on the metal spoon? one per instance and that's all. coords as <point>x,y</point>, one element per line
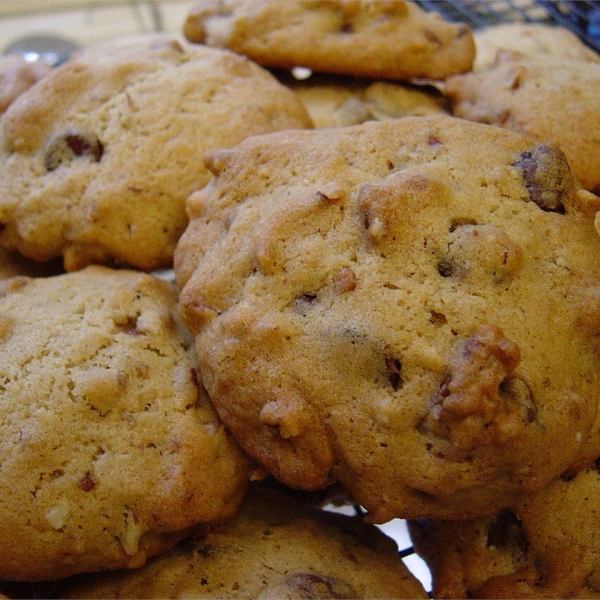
<point>50,49</point>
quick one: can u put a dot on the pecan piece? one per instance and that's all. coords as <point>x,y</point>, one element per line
<point>479,402</point>
<point>300,586</point>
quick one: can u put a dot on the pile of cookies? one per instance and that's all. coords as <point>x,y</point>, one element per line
<point>306,251</point>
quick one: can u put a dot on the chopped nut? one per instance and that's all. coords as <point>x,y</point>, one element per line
<point>393,366</point>
<point>57,515</point>
<point>478,401</point>
<point>87,483</point>
<point>344,281</point>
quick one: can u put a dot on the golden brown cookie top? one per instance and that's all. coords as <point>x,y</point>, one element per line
<point>531,39</point>
<point>391,39</point>
<point>274,548</point>
<point>98,160</point>
<point>400,306</point>
<point>110,448</point>
<point>546,98</point>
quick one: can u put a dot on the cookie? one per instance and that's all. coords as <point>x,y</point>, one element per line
<point>388,39</point>
<point>531,39</point>
<point>274,548</point>
<point>16,76</point>
<point>544,98</point>
<point>97,161</point>
<point>400,306</point>
<point>335,101</point>
<point>110,448</point>
<point>546,546</point>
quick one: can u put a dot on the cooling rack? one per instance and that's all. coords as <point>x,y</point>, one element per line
<point>580,16</point>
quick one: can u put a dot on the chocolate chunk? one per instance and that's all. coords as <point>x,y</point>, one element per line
<point>506,531</point>
<point>72,144</point>
<point>546,176</point>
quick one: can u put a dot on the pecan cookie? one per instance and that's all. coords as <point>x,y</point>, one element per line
<point>543,97</point>
<point>389,39</point>
<point>531,39</point>
<point>546,546</point>
<point>110,449</point>
<point>406,306</point>
<point>274,548</point>
<point>97,159</point>
<point>17,76</point>
<point>336,101</point>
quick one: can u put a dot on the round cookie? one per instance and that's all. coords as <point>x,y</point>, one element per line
<point>110,448</point>
<point>16,76</point>
<point>531,39</point>
<point>97,161</point>
<point>543,97</point>
<point>334,101</point>
<point>546,546</point>
<point>406,306</point>
<point>388,39</point>
<point>274,548</point>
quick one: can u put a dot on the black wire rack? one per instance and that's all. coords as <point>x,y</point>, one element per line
<point>580,16</point>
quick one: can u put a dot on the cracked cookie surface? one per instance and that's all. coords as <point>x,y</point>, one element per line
<point>274,548</point>
<point>389,39</point>
<point>110,448</point>
<point>546,98</point>
<point>396,306</point>
<point>98,159</point>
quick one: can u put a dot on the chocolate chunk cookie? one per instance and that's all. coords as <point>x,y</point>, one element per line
<point>389,39</point>
<point>274,548</point>
<point>97,160</point>
<point>110,450</point>
<point>335,101</point>
<point>531,39</point>
<point>407,306</point>
<point>546,98</point>
<point>546,546</point>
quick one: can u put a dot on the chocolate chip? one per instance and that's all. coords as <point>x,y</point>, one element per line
<point>393,367</point>
<point>546,176</point>
<point>445,268</point>
<point>506,531</point>
<point>87,483</point>
<point>72,144</point>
